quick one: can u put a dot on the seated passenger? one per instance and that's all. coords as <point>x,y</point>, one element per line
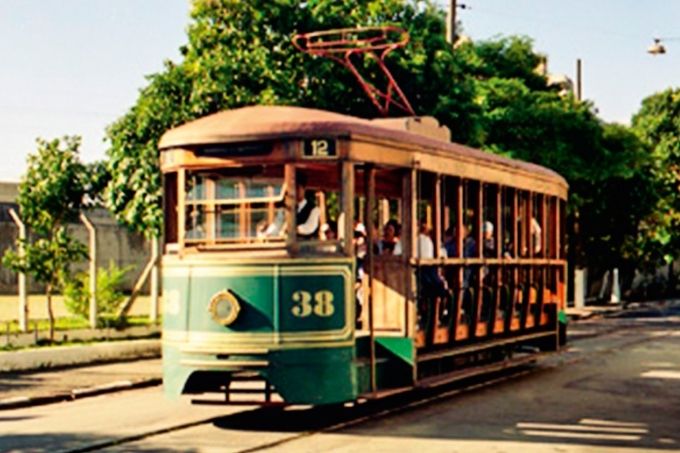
<point>277,227</point>
<point>431,283</point>
<point>307,214</point>
<point>469,244</point>
<point>390,243</point>
<point>488,241</point>
<point>330,231</point>
<point>536,236</point>
<point>449,248</point>
<point>425,249</point>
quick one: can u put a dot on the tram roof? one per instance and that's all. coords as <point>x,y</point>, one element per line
<point>271,122</point>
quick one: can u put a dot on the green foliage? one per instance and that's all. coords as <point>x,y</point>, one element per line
<point>489,94</point>
<point>606,166</point>
<point>109,292</point>
<point>50,195</point>
<point>658,126</point>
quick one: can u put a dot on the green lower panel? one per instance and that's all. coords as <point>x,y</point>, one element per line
<point>314,376</point>
<point>175,376</point>
<point>300,376</point>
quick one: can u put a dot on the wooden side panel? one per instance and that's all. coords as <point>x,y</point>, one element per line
<point>389,295</point>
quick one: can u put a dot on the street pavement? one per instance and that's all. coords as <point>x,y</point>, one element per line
<point>40,386</point>
<point>616,389</point>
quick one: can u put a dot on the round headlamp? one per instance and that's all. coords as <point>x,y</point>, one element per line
<point>224,308</point>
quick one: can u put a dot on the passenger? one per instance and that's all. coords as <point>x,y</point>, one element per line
<point>390,244</point>
<point>278,226</point>
<point>536,236</point>
<point>469,243</point>
<point>425,249</point>
<point>450,247</point>
<point>507,246</point>
<point>330,231</point>
<point>307,213</point>
<point>432,284</point>
<point>359,242</point>
<point>488,241</point>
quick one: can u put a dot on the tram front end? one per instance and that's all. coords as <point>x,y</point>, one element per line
<point>285,322</point>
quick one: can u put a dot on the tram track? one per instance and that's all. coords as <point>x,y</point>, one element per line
<point>302,422</point>
<point>308,422</point>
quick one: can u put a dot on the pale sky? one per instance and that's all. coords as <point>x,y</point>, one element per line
<point>74,66</point>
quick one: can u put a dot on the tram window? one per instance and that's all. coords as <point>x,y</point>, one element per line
<point>523,222</point>
<point>450,214</point>
<point>536,224</point>
<point>489,225</point>
<point>509,223</point>
<point>471,221</point>
<point>319,218</point>
<point>234,205</point>
<point>425,216</point>
<point>386,218</point>
<point>170,207</point>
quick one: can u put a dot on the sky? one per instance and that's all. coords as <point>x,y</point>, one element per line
<point>72,67</point>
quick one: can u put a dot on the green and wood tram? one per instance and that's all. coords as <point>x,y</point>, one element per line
<point>337,312</point>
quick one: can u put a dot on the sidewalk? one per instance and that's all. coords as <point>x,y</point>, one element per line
<point>29,389</point>
<point>49,374</point>
<point>589,311</point>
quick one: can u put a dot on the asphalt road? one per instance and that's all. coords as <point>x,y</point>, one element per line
<point>617,389</point>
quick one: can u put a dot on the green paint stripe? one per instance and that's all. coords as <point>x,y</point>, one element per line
<point>562,317</point>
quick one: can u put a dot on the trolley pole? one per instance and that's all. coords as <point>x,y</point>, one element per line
<point>93,269</point>
<point>23,296</point>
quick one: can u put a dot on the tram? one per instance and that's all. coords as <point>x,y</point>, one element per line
<point>334,258</point>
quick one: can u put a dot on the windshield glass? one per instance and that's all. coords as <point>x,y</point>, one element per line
<point>234,205</point>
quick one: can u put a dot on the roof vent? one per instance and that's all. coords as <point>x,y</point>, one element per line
<point>427,126</point>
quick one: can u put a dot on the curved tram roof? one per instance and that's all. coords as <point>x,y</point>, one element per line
<point>272,122</point>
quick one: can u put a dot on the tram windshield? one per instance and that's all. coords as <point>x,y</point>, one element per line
<point>234,205</point>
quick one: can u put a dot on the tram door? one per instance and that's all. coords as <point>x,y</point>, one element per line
<point>385,281</point>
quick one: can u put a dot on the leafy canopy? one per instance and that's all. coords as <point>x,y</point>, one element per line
<point>240,53</point>
<point>50,195</point>
<point>657,123</point>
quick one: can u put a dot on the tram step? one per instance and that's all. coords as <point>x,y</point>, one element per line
<point>480,346</point>
<point>447,378</point>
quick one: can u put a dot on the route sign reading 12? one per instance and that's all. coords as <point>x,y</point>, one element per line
<point>322,148</point>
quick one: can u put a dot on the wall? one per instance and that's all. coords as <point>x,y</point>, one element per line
<point>114,243</point>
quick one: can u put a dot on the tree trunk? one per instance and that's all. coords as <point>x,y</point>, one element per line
<point>50,313</point>
<point>671,281</point>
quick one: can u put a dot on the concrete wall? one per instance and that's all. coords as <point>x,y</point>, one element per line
<point>114,243</point>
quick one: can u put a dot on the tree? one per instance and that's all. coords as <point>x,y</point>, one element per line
<point>657,123</point>
<point>240,53</point>
<point>50,195</point>
<point>606,165</point>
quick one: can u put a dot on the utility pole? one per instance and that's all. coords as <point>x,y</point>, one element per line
<point>579,93</point>
<point>451,23</point>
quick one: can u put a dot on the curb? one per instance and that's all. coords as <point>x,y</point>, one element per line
<point>25,401</point>
<point>69,356</point>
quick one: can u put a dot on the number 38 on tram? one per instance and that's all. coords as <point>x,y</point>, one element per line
<point>334,258</point>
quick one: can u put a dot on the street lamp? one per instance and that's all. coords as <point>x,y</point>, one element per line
<point>658,48</point>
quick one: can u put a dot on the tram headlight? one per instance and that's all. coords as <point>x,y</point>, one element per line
<point>224,308</point>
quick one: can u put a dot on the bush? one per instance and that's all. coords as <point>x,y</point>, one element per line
<point>109,292</point>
